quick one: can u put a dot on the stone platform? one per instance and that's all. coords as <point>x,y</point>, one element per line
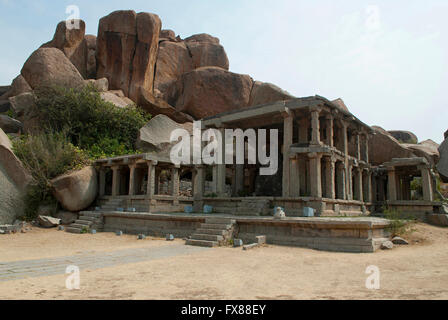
<point>330,234</point>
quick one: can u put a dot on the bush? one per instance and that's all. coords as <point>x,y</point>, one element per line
<point>46,156</point>
<point>398,226</point>
<point>99,127</point>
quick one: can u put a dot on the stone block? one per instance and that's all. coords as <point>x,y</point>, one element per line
<point>308,212</point>
<point>261,239</point>
<point>169,237</point>
<point>237,243</point>
<point>250,246</point>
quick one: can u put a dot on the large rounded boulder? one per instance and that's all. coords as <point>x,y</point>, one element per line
<point>77,190</point>
<point>14,179</point>
<point>208,91</point>
<point>263,93</point>
<point>49,66</point>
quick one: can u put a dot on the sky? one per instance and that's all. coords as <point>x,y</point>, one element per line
<point>388,60</point>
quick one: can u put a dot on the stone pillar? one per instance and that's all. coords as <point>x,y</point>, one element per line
<point>368,186</point>
<point>132,181</point>
<point>102,182</point>
<point>151,183</point>
<point>330,131</point>
<point>315,126</point>
<point>315,175</point>
<point>358,146</point>
<point>392,184</point>
<point>239,179</point>
<point>366,148</point>
<point>175,185</point>
<point>116,181</point>
<point>287,142</point>
<point>221,168</point>
<point>358,185</point>
<point>406,188</point>
<point>427,184</point>
<point>214,179</point>
<point>344,137</point>
<point>349,181</point>
<point>198,190</point>
<point>329,178</point>
<point>295,179</point>
<point>341,181</point>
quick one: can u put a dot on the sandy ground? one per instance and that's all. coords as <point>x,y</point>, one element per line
<point>417,271</point>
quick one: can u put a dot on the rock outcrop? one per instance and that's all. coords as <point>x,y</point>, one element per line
<point>10,125</point>
<point>442,165</point>
<point>72,42</point>
<point>76,191</point>
<point>49,66</point>
<point>118,101</point>
<point>263,93</point>
<point>91,56</point>
<point>155,135</point>
<point>18,86</point>
<point>383,147</point>
<point>427,149</point>
<point>206,51</point>
<point>24,107</point>
<point>208,91</point>
<point>404,136</point>
<point>14,179</point>
<point>127,46</point>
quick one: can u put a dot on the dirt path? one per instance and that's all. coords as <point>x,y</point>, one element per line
<point>418,271</point>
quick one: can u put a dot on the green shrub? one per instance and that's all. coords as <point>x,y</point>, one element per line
<point>398,226</point>
<point>46,156</point>
<point>99,127</point>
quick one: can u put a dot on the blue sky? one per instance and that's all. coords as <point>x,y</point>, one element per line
<point>386,59</point>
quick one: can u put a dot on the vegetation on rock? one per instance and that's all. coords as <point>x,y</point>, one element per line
<point>96,126</point>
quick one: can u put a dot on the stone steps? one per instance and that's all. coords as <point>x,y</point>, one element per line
<point>208,237</point>
<point>202,243</point>
<point>214,232</point>
<point>87,219</point>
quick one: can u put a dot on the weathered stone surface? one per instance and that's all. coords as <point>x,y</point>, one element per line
<point>116,100</point>
<point>67,217</point>
<point>387,245</point>
<point>102,85</point>
<point>18,86</point>
<point>404,136</point>
<point>5,106</point>
<point>127,48</point>
<point>383,147</point>
<point>427,149</point>
<point>72,42</point>
<point>91,56</point>
<point>206,51</point>
<point>263,93</point>
<point>4,89</point>
<point>173,60</point>
<point>400,241</point>
<point>24,107</point>
<point>156,106</point>
<point>48,222</point>
<point>438,219</point>
<point>14,179</point>
<point>167,34</point>
<point>10,125</point>
<point>76,191</point>
<point>49,66</point>
<point>341,104</point>
<point>442,165</point>
<point>155,135</point>
<point>211,90</point>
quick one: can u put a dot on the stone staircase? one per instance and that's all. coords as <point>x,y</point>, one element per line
<point>214,232</point>
<point>249,207</point>
<point>88,220</point>
<point>111,204</point>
